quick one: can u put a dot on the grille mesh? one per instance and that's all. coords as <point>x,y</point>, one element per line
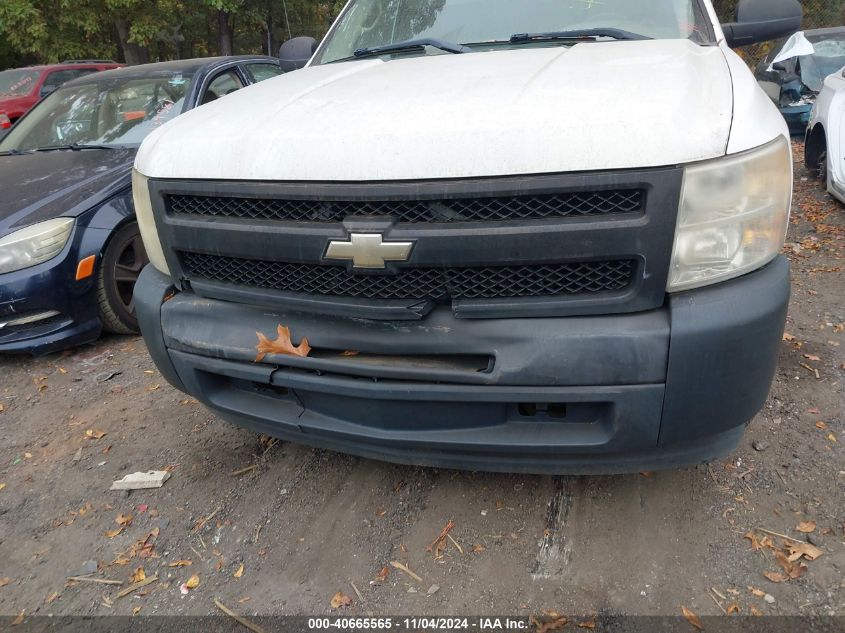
<point>530,207</point>
<point>416,283</point>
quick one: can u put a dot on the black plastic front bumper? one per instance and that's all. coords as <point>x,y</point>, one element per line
<point>602,394</point>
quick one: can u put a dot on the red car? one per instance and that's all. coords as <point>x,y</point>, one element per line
<point>22,88</point>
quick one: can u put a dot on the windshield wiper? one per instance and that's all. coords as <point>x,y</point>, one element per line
<point>12,152</point>
<point>409,45</point>
<point>72,146</point>
<point>590,35</point>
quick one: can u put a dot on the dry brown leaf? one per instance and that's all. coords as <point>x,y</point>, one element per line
<point>757,592</point>
<point>831,437</point>
<point>692,618</point>
<point>478,548</point>
<point>136,611</point>
<point>180,563</point>
<point>586,624</point>
<point>19,619</point>
<point>793,569</point>
<point>775,576</point>
<point>807,550</point>
<point>155,387</point>
<point>193,582</point>
<point>812,357</point>
<point>383,574</point>
<point>240,571</point>
<point>138,575</point>
<point>733,607</point>
<point>2,486</point>
<point>5,581</point>
<point>381,513</point>
<point>51,597</point>
<point>755,611</point>
<point>751,535</point>
<point>2,408</point>
<point>91,434</point>
<point>806,527</point>
<point>340,600</point>
<point>550,625</point>
<point>124,520</point>
<point>282,345</point>
<point>244,599</point>
<point>788,337</point>
<point>439,544</point>
<point>113,533</point>
<point>821,425</point>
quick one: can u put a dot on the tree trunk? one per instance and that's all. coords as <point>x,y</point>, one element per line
<point>224,36</point>
<point>133,54</point>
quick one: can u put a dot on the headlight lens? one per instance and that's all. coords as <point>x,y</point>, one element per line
<point>146,222</point>
<point>733,217</point>
<point>34,244</point>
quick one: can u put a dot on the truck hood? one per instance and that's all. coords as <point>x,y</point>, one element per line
<point>45,185</point>
<point>593,106</point>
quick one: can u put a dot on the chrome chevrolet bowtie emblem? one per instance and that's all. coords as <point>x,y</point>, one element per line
<point>369,250</point>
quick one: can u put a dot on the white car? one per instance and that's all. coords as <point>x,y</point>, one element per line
<point>824,150</point>
<point>533,236</point>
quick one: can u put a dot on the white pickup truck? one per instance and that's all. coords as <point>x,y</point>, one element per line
<point>531,236</point>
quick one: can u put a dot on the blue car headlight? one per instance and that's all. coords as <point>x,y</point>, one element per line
<point>34,244</point>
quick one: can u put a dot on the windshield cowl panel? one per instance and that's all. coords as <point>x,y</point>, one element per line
<point>370,24</point>
<point>100,114</point>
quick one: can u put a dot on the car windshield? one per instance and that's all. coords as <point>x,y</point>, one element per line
<point>110,112</point>
<point>829,57</point>
<point>371,23</point>
<point>17,83</point>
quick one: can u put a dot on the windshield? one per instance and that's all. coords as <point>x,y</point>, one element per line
<point>369,23</point>
<point>17,83</point>
<point>111,112</point>
<point>829,57</point>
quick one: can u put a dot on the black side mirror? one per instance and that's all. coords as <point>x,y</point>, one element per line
<point>763,20</point>
<point>295,53</point>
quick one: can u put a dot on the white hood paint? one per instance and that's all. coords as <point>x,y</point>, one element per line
<point>594,106</point>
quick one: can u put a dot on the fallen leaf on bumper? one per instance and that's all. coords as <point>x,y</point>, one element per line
<point>282,345</point>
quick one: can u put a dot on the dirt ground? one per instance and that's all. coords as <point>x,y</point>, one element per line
<point>303,524</point>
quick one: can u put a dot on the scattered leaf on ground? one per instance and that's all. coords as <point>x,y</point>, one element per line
<point>240,571</point>
<point>136,610</point>
<point>340,600</point>
<point>692,618</point>
<point>282,345</point>
<point>51,597</point>
<point>550,625</point>
<point>180,563</point>
<point>19,619</point>
<point>124,520</point>
<point>2,486</point>
<point>775,576</point>
<point>807,550</point>
<point>113,533</point>
<point>733,607</point>
<point>821,425</point>
<point>478,548</point>
<point>812,357</point>
<point>806,527</point>
<point>5,581</point>
<point>587,624</point>
<point>438,546</point>
<point>193,582</point>
<point>382,575</point>
<point>91,434</point>
<point>757,592</point>
<point>138,575</point>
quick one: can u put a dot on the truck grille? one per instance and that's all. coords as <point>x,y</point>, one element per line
<point>478,209</point>
<point>416,283</point>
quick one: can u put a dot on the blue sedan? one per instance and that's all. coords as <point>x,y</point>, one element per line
<point>70,249</point>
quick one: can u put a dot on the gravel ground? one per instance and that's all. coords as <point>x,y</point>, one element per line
<point>302,525</point>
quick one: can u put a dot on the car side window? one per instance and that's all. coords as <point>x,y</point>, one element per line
<point>223,84</point>
<point>58,77</point>
<point>260,72</point>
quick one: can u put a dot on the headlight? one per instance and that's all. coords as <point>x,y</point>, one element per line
<point>34,244</point>
<point>733,217</point>
<point>146,222</point>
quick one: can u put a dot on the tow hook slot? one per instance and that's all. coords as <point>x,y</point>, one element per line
<point>542,410</point>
